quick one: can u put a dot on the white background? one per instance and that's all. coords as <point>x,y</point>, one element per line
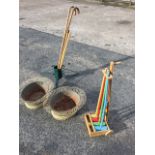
<point>145,77</point>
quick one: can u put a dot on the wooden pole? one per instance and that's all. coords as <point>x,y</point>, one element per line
<point>65,48</point>
<point>72,11</point>
<point>65,35</point>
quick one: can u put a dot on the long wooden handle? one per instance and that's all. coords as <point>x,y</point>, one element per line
<point>61,51</point>
<point>64,49</point>
<point>66,37</point>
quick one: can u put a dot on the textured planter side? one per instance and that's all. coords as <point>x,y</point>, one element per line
<point>77,95</point>
<point>35,92</point>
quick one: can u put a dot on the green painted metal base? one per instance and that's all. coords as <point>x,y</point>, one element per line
<point>57,75</point>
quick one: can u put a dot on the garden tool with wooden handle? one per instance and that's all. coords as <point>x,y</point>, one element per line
<point>72,11</point>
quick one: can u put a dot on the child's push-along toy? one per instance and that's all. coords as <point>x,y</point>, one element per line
<point>97,123</point>
<point>58,68</point>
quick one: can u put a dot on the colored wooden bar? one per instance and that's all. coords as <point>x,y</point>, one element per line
<point>91,130</point>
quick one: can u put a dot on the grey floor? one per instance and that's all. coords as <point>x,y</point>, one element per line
<point>40,134</point>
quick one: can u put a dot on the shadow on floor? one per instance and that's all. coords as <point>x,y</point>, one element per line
<point>118,3</point>
<point>91,71</point>
<point>115,3</point>
<point>118,117</point>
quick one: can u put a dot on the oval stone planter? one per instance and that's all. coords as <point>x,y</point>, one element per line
<point>35,92</point>
<point>66,101</point>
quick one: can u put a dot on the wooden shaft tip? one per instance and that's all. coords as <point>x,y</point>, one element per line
<point>71,7</point>
<point>76,11</point>
<point>117,62</point>
<point>104,70</point>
